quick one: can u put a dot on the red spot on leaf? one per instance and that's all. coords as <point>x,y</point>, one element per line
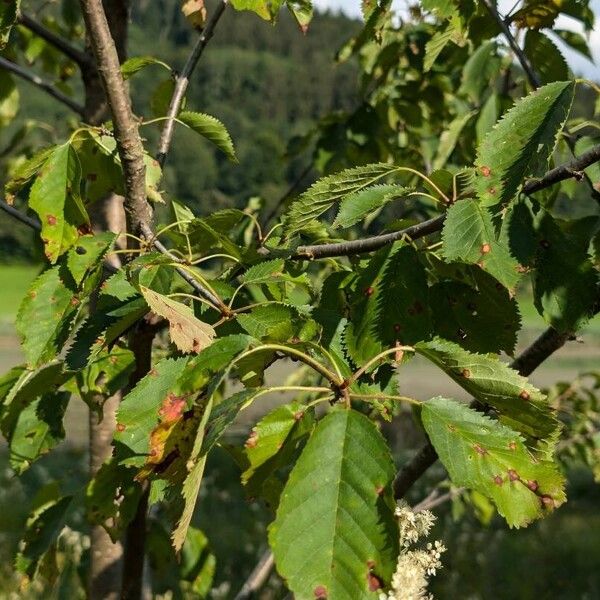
<point>369,291</point>
<point>533,485</point>
<point>512,446</point>
<point>51,220</point>
<point>172,408</point>
<point>524,395</point>
<point>120,427</point>
<point>547,502</point>
<point>498,480</point>
<point>252,440</point>
<point>513,475</point>
<point>466,373</point>
<point>375,582</point>
<point>74,301</point>
<point>485,248</point>
<point>485,171</point>
<point>320,592</point>
<point>480,449</point>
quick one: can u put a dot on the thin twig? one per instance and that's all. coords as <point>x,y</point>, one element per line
<point>259,576</point>
<point>435,499</point>
<point>83,59</point>
<point>183,80</point>
<point>512,42</point>
<point>42,84</point>
<point>17,214</point>
<point>198,287</point>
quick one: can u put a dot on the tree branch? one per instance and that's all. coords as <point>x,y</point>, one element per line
<point>183,80</point>
<point>574,168</point>
<point>17,214</point>
<point>131,150</point>
<point>78,56</point>
<point>527,362</point>
<point>370,243</point>
<point>556,175</point>
<point>42,84</point>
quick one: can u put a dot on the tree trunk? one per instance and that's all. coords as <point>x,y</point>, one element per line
<point>104,576</point>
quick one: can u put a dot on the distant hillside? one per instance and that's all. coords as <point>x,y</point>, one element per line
<point>264,82</point>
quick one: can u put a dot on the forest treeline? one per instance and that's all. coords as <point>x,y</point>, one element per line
<point>266,83</point>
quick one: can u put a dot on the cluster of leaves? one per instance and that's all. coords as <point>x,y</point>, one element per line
<point>352,321</point>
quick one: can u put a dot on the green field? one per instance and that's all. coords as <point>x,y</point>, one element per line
<point>15,281</point>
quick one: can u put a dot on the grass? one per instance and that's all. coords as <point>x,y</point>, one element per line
<point>15,279</point>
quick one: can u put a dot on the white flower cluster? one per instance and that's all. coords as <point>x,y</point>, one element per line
<point>414,566</point>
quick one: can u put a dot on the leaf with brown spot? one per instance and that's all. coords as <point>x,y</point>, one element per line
<point>501,474</point>
<point>54,196</point>
<point>187,332</point>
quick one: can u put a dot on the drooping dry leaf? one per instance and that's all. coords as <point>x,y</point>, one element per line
<point>187,332</point>
<point>195,12</point>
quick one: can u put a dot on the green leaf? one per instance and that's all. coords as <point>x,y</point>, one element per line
<point>278,323</point>
<point>441,8</point>
<point>575,41</point>
<point>38,429</point>
<point>9,98</point>
<point>271,271</point>
<point>440,39</point>
<point>55,198</point>
<point>488,457</point>
<point>22,386</point>
<point>45,315</point>
<point>565,283</point>
<point>487,118</point>
<point>449,139</point>
<point>9,9</point>
<point>112,497</point>
<point>546,58</point>
<point>44,524</point>
<point>468,236</point>
<point>88,254</point>
<point>482,66</point>
<point>212,129</point>
<point>334,525</point>
<point>136,63</point>
<point>265,9</point>
<point>357,206</point>
<point>519,404</point>
<point>138,412</point>
<point>522,143</point>
<point>481,319</point>
<point>26,171</point>
<point>389,304</point>
<point>223,415</point>
<point>187,332</point>
<point>323,194</point>
<point>271,448</point>
<point>302,10</point>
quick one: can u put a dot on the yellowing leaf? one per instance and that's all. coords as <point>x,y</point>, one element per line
<point>187,332</point>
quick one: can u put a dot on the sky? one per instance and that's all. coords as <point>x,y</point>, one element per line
<point>578,63</point>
